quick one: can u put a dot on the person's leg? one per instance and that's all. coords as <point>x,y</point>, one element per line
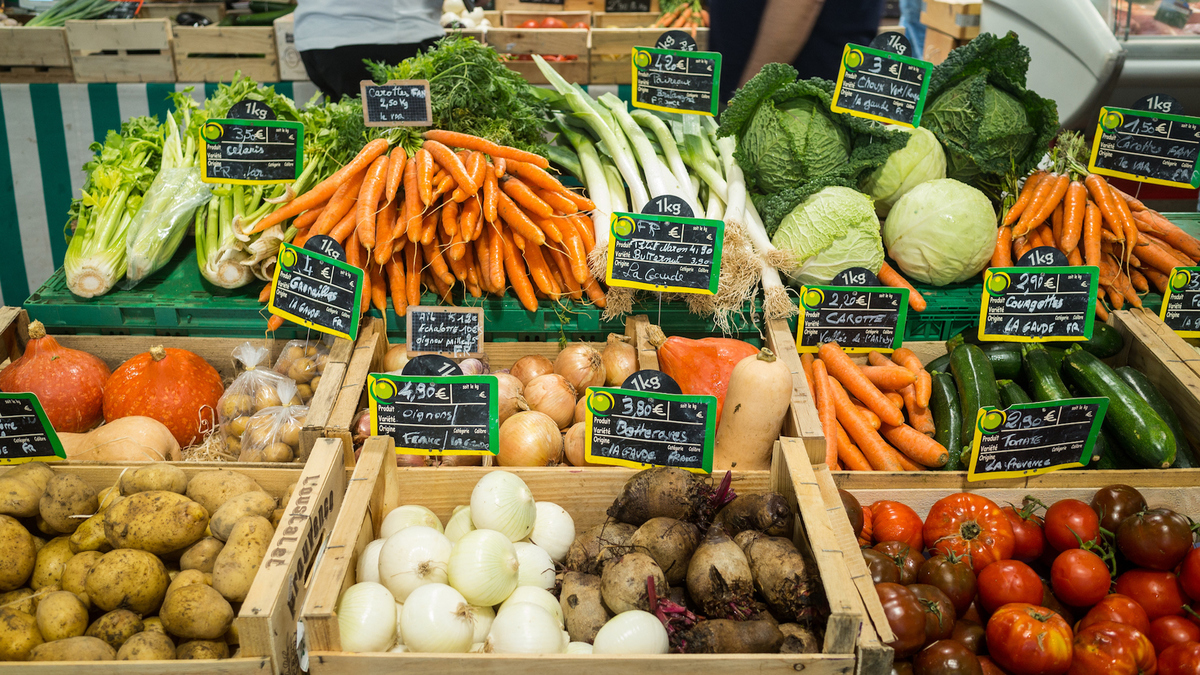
<point>345,69</point>
<point>314,62</point>
<point>914,30</point>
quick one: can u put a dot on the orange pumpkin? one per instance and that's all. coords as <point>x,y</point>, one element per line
<point>174,386</point>
<point>68,383</point>
<point>703,367</point>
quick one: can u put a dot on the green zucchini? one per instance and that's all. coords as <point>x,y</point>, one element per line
<point>1130,420</point>
<point>1005,358</point>
<point>1011,392</point>
<point>1111,456</point>
<point>1185,457</point>
<point>941,364</point>
<point>1041,372</point>
<point>966,336</point>
<point>976,384</point>
<point>1106,341</point>
<point>947,417</point>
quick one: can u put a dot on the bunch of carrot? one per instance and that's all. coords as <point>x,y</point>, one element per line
<point>1094,223</point>
<point>875,417</point>
<point>487,216</point>
<point>687,14</point>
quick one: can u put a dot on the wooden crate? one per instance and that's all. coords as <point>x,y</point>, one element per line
<point>938,45</point>
<point>291,67</point>
<point>514,42</point>
<point>121,50</point>
<point>624,19</point>
<point>378,486</point>
<point>612,48</point>
<point>29,55</point>
<point>266,623</point>
<point>801,421</point>
<point>600,5</point>
<point>214,11</point>
<point>957,18</point>
<point>217,53</point>
<point>516,18</point>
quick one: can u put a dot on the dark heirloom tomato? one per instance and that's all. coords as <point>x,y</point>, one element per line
<point>1115,503</point>
<point>1169,630</point>
<point>970,634</point>
<point>953,576</point>
<point>1158,593</point>
<point>969,525</point>
<point>939,612</point>
<point>1067,518</point>
<point>1181,659</point>
<point>1028,539</point>
<point>1156,540</point>
<point>883,568</point>
<point>853,511</point>
<point>1029,640</point>
<point>989,667</point>
<point>1113,649</point>
<point>905,557</point>
<point>905,616</point>
<point>1008,581</point>
<point>1189,574</point>
<point>902,668</point>
<point>946,657</point>
<point>893,521</point>
<point>1080,578</point>
<point>1119,609</point>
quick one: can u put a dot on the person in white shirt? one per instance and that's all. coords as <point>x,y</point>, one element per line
<point>334,36</point>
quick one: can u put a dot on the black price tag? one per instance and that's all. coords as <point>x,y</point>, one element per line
<point>1150,147</point>
<point>437,415</point>
<point>123,10</point>
<point>856,276</point>
<point>1162,103</point>
<point>251,152</point>
<point>445,330</point>
<point>644,429</point>
<point>668,205</point>
<point>678,40</point>
<point>858,318</point>
<point>652,380</point>
<point>1181,304</point>
<point>1038,304</point>
<point>26,434</point>
<point>675,80</point>
<point>398,103</point>
<point>325,245</point>
<point>1027,439</point>
<point>669,254</point>
<point>893,42</point>
<point>626,5</point>
<point>250,109</point>
<point>317,292</point>
<point>881,85</point>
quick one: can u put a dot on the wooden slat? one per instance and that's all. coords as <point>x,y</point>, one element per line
<point>539,41</point>
<point>23,46</point>
<point>801,421</point>
<point>638,328</point>
<point>515,19</point>
<point>367,357</point>
<point>124,34</point>
<point>621,41</point>
<point>217,53</point>
<point>624,19</point>
<point>338,663</point>
<point>598,6</point>
<point>36,74</point>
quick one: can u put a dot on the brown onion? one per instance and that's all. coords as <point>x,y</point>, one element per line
<point>395,358</point>
<point>530,438</point>
<point>511,399</point>
<point>528,367</point>
<point>620,360</point>
<point>582,365</point>
<point>581,410</point>
<point>461,460</point>
<point>574,446</point>
<point>553,396</point>
<point>410,460</point>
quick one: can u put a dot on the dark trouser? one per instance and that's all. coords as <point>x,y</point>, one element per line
<point>337,72</point>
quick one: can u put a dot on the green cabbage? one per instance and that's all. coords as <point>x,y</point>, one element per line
<point>792,142</point>
<point>921,160</point>
<point>829,231</point>
<point>941,232</point>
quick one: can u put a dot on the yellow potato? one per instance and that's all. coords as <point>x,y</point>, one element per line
<point>255,503</point>
<point>130,579</point>
<point>116,627</point>
<point>21,488</point>
<point>276,516</point>
<point>235,405</point>
<point>278,453</point>
<point>61,615</point>
<point>266,397</point>
<point>82,648</point>
<point>147,646</point>
<point>305,392</point>
<point>17,554</point>
<point>20,600</point>
<point>196,612</point>
<point>18,634</point>
<point>153,624</point>
<point>74,576</point>
<point>67,495</point>
<point>202,649</point>
<point>316,383</point>
<point>303,370</point>
<point>187,578</point>
<point>213,488</point>
<point>157,521</point>
<point>238,562</point>
<point>51,562</point>
<point>90,535</point>
<point>167,477</point>
<point>289,432</point>
<point>237,426</point>
<point>202,555</point>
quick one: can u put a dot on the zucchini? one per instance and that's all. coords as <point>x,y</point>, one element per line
<point>1011,392</point>
<point>941,364</point>
<point>1185,458</point>
<point>1106,341</point>
<point>1005,358</point>
<point>1111,456</point>
<point>976,384</point>
<point>947,417</point>
<point>1041,373</point>
<point>1130,420</point>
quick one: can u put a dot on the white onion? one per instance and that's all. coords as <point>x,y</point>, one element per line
<point>552,395</point>
<point>405,516</point>
<point>530,439</point>
<point>536,568</point>
<point>620,360</point>
<point>459,523</point>
<point>579,648</point>
<point>399,633</point>
<point>476,648</point>
<point>437,619</point>
<point>483,567</point>
<point>535,596</point>
<point>581,364</point>
<point>368,562</point>
<point>502,502</point>
<point>483,617</point>
<point>366,618</point>
<point>553,530</point>
<point>413,557</point>
<point>632,632</point>
<point>524,628</point>
<point>528,367</point>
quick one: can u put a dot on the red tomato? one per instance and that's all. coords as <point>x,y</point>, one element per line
<point>1029,640</point>
<point>581,24</point>
<point>989,666</point>
<point>1080,578</point>
<point>1119,609</point>
<point>1159,593</point>
<point>553,22</point>
<point>893,521</point>
<point>1113,649</point>
<point>1006,581</point>
<point>1169,630</point>
<point>530,24</point>
<point>1183,659</point>
<point>1067,518</point>
<point>969,525</point>
<point>1189,574</point>
<point>1028,539</point>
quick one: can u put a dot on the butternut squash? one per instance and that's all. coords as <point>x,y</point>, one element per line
<point>760,390</point>
<point>127,439</point>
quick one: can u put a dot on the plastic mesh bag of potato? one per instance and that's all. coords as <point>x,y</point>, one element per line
<point>304,362</point>
<point>255,388</point>
<point>273,434</point>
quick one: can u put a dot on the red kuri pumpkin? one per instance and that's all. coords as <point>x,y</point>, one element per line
<point>174,386</point>
<point>68,383</point>
<point>703,367</point>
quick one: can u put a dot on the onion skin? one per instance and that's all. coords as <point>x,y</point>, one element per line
<point>512,400</point>
<point>395,358</point>
<point>573,443</point>
<point>582,365</point>
<point>174,386</point>
<point>581,409</point>
<point>620,360</point>
<point>528,367</point>
<point>553,396</point>
<point>69,383</point>
<point>530,438</point>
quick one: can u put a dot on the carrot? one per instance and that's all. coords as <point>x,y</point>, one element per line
<point>368,200</point>
<point>469,142</point>
<point>412,267</point>
<point>397,282</point>
<point>429,229</point>
<point>595,293</point>
<point>1021,246</point>
<point>585,228</point>
<point>891,277</point>
<point>1158,258</point>
<point>306,219</point>
<point>569,282</point>
<point>449,218</point>
<point>848,453</point>
<point>1115,297</point>
<point>539,271</point>
<point>324,190</point>
<point>458,266</point>
<point>1140,284</point>
<point>385,233</point>
<point>517,220</point>
<point>878,359</point>
<point>666,19</point>
<point>516,273</point>
<point>1157,278</point>
<point>826,411</point>
<point>683,17</point>
<point>1124,285</point>
<point>378,288</point>
<point>339,204</point>
<point>806,364</point>
<point>1042,194</point>
<point>880,455</point>
<point>442,187</point>
<point>1074,210</point>
<point>583,203</point>
<point>525,198</point>
<point>868,416</point>
<point>412,200</point>
<point>425,174</point>
<point>490,189</point>
<point>476,165</point>
<point>1001,255</point>
<point>1035,238</point>
<point>1023,199</point>
<point>1075,258</point>
<point>896,399</point>
<point>1105,201</point>
<point>1056,225</point>
<point>557,201</point>
<point>501,166</point>
<point>344,229</point>
<point>841,367</point>
<point>395,173</point>
<point>1091,234</point>
<point>577,256</point>
<point>496,254</point>
<point>274,323</point>
<point>453,165</point>
<point>468,216</point>
<point>916,445</point>
<point>535,177</point>
<point>905,357</point>
<point>1127,222</point>
<point>1152,222</point>
<point>919,416</point>
<point>888,377</point>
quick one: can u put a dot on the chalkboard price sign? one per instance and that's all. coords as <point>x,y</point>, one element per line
<point>673,80</point>
<point>1181,305</point>
<point>251,152</point>
<point>123,10</point>
<point>26,434</point>
<point>859,318</point>
<point>1038,304</point>
<point>437,415</point>
<point>445,330</point>
<point>665,254</point>
<point>641,429</point>
<point>626,5</point>
<point>316,291</point>
<point>1027,439</point>
<point>1151,147</point>
<point>397,103</point>
<point>881,85</point>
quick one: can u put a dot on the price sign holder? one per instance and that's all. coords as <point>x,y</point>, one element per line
<point>882,85</point>
<point>1156,144</point>
<point>1028,439</point>
<point>26,434</point>
<point>626,6</point>
<point>678,79</point>
<point>1181,304</point>
<point>664,249</point>
<point>1044,300</point>
<point>316,291</point>
<point>123,9</point>
<point>251,151</point>
<point>859,318</point>
<point>641,429</point>
<point>457,331</point>
<point>251,109</point>
<point>396,103</point>
<point>437,415</point>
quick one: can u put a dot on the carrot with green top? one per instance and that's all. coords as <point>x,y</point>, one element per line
<point>1023,199</point>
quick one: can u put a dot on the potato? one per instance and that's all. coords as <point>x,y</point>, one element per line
<point>276,516</point>
<point>116,627</point>
<point>157,521</point>
<point>18,634</point>
<point>278,452</point>
<point>237,427</point>
<point>252,455</point>
<point>109,496</point>
<point>260,431</point>
<point>38,543</point>
<point>61,615</point>
<point>188,578</point>
<point>255,503</point>
<point>128,579</point>
<point>45,528</point>
<point>17,554</point>
<point>316,382</point>
<point>213,488</point>
<point>51,562</point>
<point>21,489</point>
<point>67,495</point>
<point>20,600</point>
<point>238,562</point>
<point>202,555</point>
<point>231,636</point>
<point>303,370</point>
<point>289,432</point>
<point>147,646</point>
<point>196,612</point>
<point>74,576</point>
<point>202,649</point>
<point>266,397</point>
<point>287,496</point>
<point>235,405</point>
<point>166,477</point>
<point>90,535</point>
<point>305,392</point>
<point>82,648</point>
